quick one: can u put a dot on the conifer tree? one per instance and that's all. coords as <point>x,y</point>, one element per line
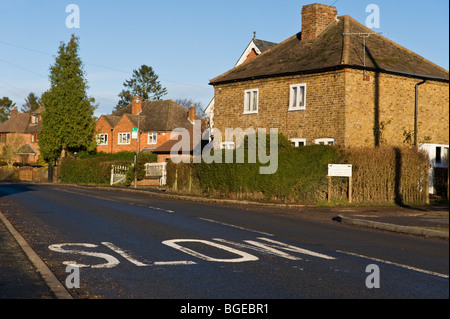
<point>67,122</point>
<point>143,83</point>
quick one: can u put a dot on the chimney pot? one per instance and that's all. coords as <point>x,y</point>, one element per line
<point>315,18</point>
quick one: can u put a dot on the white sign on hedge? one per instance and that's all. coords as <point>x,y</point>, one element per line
<point>339,170</point>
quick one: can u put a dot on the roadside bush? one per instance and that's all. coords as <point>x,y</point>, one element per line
<point>85,171</point>
<point>301,176</point>
<point>95,168</point>
<point>381,175</point>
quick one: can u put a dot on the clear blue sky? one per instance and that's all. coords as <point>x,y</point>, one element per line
<point>187,42</point>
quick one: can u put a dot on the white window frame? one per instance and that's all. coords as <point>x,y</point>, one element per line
<point>294,97</point>
<point>104,140</point>
<point>248,106</point>
<point>127,139</point>
<point>297,141</point>
<point>325,141</point>
<point>152,138</point>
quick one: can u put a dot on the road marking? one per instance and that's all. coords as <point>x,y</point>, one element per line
<point>174,263</point>
<point>124,254</point>
<point>244,256</point>
<point>294,248</point>
<point>259,248</point>
<point>161,209</point>
<point>111,261</point>
<point>239,227</point>
<point>396,264</point>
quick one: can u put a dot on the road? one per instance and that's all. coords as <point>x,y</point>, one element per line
<point>131,245</point>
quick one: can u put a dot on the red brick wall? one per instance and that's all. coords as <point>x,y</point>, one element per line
<point>315,18</point>
<point>125,126</point>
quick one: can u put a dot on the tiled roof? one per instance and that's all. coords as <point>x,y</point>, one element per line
<point>21,123</point>
<point>339,45</point>
<point>164,115</point>
<point>264,45</point>
<point>16,123</point>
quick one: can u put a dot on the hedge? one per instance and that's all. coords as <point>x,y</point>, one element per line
<point>96,168</point>
<point>380,175</point>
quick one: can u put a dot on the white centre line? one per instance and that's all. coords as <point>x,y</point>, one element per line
<point>243,228</point>
<point>396,264</point>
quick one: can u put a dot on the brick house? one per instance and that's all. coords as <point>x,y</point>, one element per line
<point>253,49</point>
<point>154,119</point>
<point>337,82</point>
<point>21,132</point>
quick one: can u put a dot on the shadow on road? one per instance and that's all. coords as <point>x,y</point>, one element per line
<point>11,188</point>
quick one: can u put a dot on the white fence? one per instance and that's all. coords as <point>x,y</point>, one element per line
<point>118,174</point>
<point>156,170</point>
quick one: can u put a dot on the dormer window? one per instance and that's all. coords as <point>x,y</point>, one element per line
<point>35,119</point>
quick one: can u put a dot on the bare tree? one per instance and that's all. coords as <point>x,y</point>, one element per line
<point>13,143</point>
<point>186,103</point>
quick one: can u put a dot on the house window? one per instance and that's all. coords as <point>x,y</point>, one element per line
<point>297,142</point>
<point>2,138</point>
<point>102,139</point>
<point>297,97</point>
<point>152,138</point>
<point>124,138</point>
<point>251,101</point>
<point>34,138</point>
<point>325,141</point>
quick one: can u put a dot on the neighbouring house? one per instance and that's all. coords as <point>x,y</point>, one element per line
<point>337,82</point>
<point>152,121</point>
<point>20,133</point>
<point>184,144</point>
<point>253,49</point>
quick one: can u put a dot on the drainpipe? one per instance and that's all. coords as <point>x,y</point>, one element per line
<point>415,111</point>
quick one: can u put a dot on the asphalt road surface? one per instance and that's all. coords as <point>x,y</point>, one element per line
<point>114,244</point>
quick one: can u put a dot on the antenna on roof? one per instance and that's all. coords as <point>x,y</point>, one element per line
<point>364,36</point>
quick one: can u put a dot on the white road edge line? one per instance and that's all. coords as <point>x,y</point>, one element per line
<point>243,228</point>
<point>396,264</point>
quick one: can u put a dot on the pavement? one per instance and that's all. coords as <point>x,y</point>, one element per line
<point>23,275</point>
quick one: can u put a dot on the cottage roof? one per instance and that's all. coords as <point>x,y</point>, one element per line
<point>163,115</point>
<point>263,45</point>
<point>339,45</point>
<point>193,141</point>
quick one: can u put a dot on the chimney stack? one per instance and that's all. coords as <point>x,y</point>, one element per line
<point>14,112</point>
<point>191,113</point>
<point>136,105</point>
<point>315,18</point>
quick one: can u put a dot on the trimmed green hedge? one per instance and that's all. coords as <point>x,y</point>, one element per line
<point>96,168</point>
<point>301,175</point>
<point>380,175</point>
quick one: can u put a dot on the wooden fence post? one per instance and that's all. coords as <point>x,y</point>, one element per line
<point>329,189</point>
<point>350,186</point>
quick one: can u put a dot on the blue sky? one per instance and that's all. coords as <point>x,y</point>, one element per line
<point>187,43</point>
